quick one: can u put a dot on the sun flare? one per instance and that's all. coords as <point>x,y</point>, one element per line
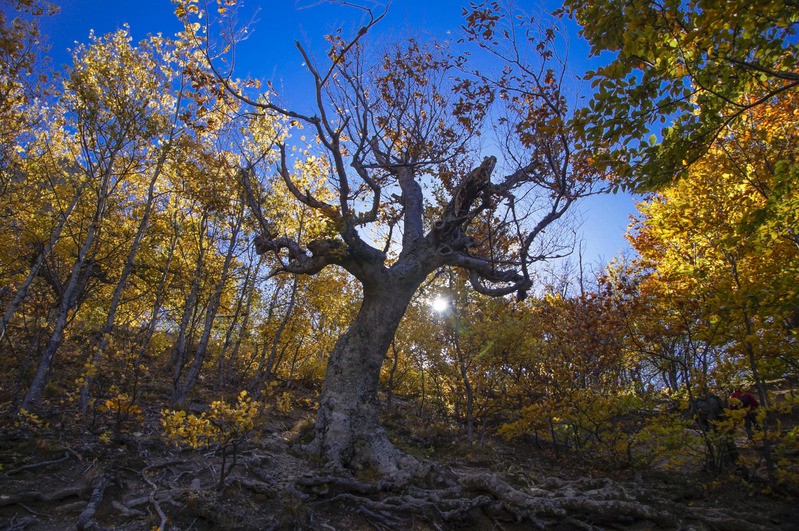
<point>439,304</point>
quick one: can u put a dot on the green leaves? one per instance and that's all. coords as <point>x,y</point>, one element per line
<point>699,66</point>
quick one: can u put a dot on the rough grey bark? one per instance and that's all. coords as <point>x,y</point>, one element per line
<point>348,431</point>
<point>385,128</point>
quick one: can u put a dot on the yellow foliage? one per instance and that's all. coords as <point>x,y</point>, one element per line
<point>223,424</point>
<point>284,403</point>
<point>120,404</point>
<point>29,421</point>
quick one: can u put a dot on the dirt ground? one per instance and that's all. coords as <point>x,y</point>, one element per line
<point>59,477</point>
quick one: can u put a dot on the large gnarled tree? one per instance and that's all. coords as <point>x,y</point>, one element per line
<point>408,191</point>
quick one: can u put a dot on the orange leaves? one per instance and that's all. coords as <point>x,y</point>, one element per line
<point>720,249</point>
<point>481,19</point>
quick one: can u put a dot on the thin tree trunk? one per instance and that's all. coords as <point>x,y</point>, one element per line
<point>293,368</point>
<point>22,291</point>
<point>271,362</point>
<point>467,384</point>
<point>68,298</point>
<point>231,328</point>
<point>245,322</point>
<point>191,302</point>
<point>759,383</point>
<point>256,378</point>
<point>423,390</point>
<point>108,327</point>
<point>159,295</point>
<point>183,389</point>
<point>392,372</point>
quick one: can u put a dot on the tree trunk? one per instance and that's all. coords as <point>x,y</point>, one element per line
<point>179,349</point>
<point>348,431</point>
<point>242,310</point>
<point>392,372</point>
<point>182,389</point>
<point>463,367</point>
<point>19,296</point>
<point>245,322</point>
<point>260,352</point>
<point>265,372</point>
<point>160,291</point>
<point>108,327</point>
<point>68,301</point>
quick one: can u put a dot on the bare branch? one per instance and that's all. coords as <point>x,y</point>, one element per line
<point>304,197</point>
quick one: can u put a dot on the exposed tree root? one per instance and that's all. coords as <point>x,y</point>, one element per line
<point>46,497</point>
<point>38,465</point>
<point>486,495</point>
<point>273,488</point>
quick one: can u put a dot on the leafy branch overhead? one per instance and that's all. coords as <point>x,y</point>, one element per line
<point>681,73</point>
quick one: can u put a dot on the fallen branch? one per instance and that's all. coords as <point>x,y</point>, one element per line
<point>85,519</point>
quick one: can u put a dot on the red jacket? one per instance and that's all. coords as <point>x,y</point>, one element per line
<point>747,400</point>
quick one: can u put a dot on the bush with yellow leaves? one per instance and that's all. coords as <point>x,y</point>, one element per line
<point>224,425</point>
<point>120,410</point>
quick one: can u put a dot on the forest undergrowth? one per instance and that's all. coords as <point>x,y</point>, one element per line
<point>59,473</point>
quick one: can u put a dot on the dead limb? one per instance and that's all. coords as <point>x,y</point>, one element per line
<point>85,519</point>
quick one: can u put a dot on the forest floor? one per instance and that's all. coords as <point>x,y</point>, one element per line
<point>60,476</point>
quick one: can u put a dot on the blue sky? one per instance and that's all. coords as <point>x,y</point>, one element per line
<point>270,53</point>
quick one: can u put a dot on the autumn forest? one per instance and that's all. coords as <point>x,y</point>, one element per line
<point>220,310</point>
